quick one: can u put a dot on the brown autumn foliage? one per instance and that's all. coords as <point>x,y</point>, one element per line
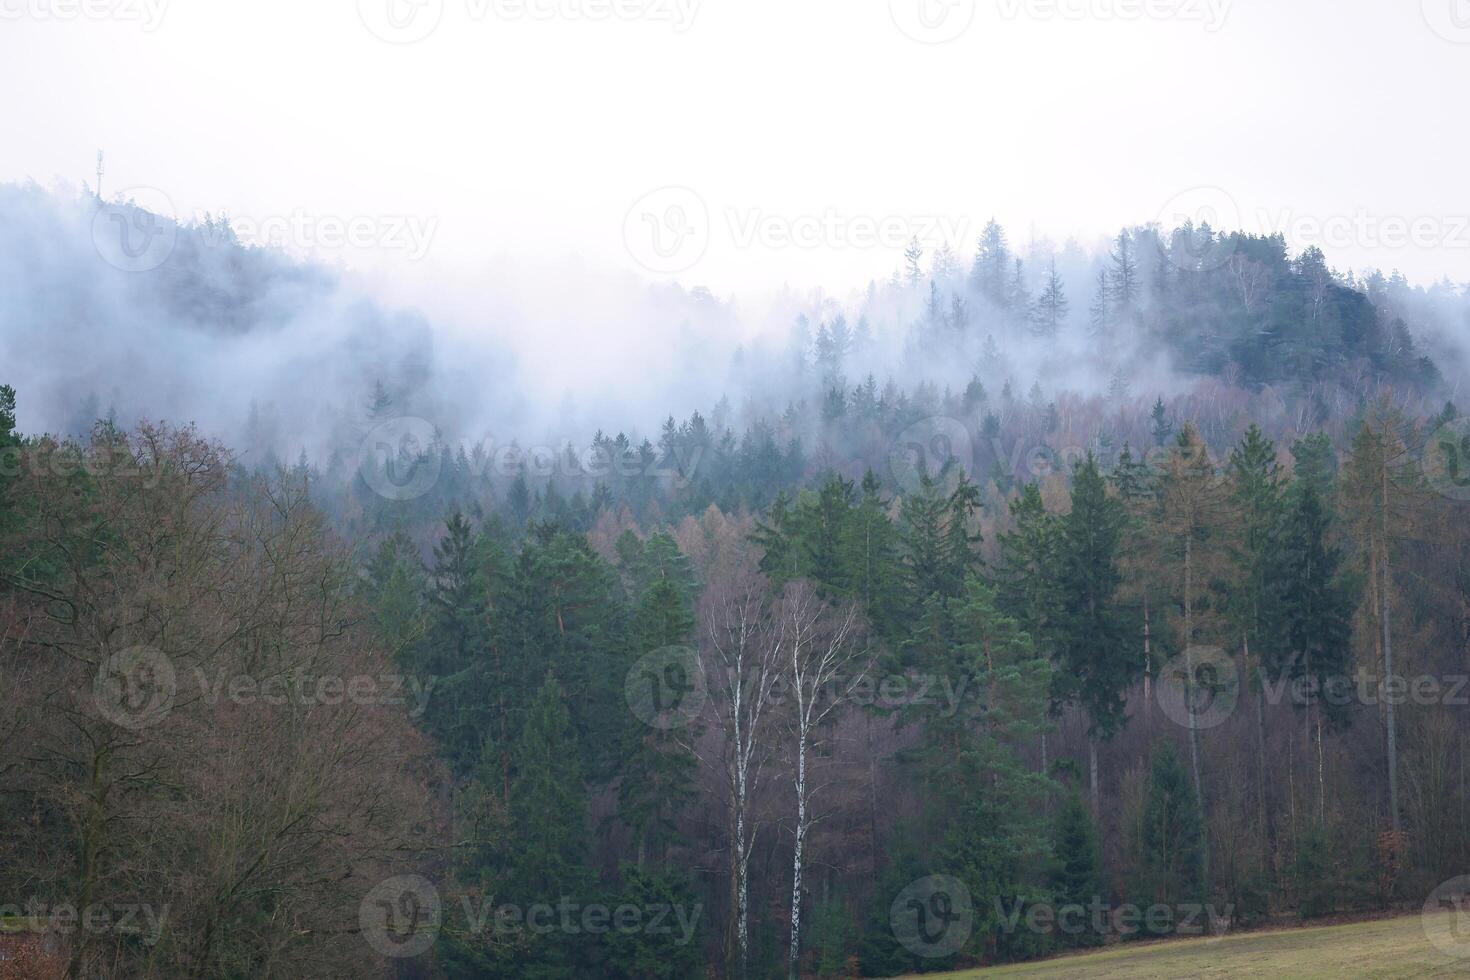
<point>27,958</point>
<point>197,725</point>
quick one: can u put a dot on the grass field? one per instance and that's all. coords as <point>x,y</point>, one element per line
<point>1385,948</point>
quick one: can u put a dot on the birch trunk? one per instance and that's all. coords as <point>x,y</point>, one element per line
<point>821,645</point>
<point>1148,662</point>
<point>801,819</point>
<point>749,655</point>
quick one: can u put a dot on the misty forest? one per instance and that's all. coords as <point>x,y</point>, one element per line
<point>1037,597</point>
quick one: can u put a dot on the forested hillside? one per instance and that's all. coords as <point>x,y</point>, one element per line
<point>1030,580</point>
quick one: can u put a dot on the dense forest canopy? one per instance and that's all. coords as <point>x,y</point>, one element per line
<point>946,626</point>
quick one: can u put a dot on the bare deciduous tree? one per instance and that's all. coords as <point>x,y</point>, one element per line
<point>825,658</point>
<point>201,728</point>
<point>744,657</point>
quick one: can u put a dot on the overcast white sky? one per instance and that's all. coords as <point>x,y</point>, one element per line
<point>539,129</point>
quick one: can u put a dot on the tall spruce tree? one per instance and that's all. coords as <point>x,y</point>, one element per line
<point>1136,486</point>
<point>992,263</point>
<point>1076,877</point>
<point>869,549</point>
<point>939,546</point>
<point>1194,507</point>
<point>549,810</point>
<point>1123,281</point>
<point>10,444</point>
<point>1100,313</point>
<point>1162,427</point>
<point>1097,657</point>
<point>1382,488</point>
<point>1171,856</point>
<point>656,765</point>
<point>1257,487</point>
<point>1315,619</point>
<point>989,841</point>
<point>457,643</point>
<point>822,519</point>
<point>1315,463</point>
<point>1026,576</point>
<point>564,614</point>
<point>663,953</point>
<point>1050,311</point>
<point>392,585</point>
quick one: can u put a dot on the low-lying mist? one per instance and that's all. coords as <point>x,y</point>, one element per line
<point>107,310</point>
